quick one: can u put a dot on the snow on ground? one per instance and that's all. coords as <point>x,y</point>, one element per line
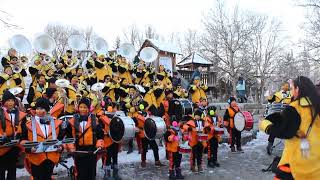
<point>243,166</point>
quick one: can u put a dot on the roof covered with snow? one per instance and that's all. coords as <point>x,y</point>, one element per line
<point>165,46</point>
<point>194,58</point>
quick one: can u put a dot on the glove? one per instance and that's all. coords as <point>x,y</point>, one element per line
<point>176,138</point>
<point>264,125</point>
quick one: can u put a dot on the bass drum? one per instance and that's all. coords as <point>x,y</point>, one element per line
<point>154,127</point>
<point>122,128</point>
<point>243,121</point>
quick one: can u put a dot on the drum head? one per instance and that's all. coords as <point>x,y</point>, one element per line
<point>239,121</point>
<point>150,128</point>
<point>116,129</point>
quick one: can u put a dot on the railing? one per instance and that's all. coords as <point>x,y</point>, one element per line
<point>207,78</point>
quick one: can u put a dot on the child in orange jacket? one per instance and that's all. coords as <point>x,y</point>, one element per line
<point>172,137</point>
<point>213,127</point>
<point>193,127</point>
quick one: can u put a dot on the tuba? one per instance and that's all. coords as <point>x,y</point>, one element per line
<point>77,42</point>
<point>21,44</point>
<point>127,50</point>
<point>100,46</point>
<point>44,44</point>
<point>148,54</point>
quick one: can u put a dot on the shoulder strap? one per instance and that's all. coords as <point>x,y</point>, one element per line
<point>34,129</point>
<point>94,127</point>
<point>53,128</point>
<point>17,117</point>
<point>3,120</point>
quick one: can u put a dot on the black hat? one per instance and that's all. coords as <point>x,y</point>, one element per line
<point>198,112</point>
<point>231,99</point>
<point>168,91</point>
<point>7,95</point>
<point>52,80</point>
<point>85,101</point>
<point>50,91</point>
<point>43,103</point>
<point>69,51</point>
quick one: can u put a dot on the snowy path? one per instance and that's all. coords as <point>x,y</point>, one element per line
<point>245,166</point>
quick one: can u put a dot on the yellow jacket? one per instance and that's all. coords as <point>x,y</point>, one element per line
<point>198,92</point>
<point>278,98</point>
<point>303,169</point>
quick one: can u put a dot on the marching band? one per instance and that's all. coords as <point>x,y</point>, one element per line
<point>89,105</point>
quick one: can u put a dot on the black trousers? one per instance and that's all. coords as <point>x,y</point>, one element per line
<point>8,164</point>
<point>235,137</point>
<point>43,171</point>
<point>112,153</point>
<point>213,149</point>
<point>197,151</point>
<point>271,138</point>
<point>174,160</point>
<point>153,144</point>
<point>86,166</point>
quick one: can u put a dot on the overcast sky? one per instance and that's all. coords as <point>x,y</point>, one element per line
<point>110,18</point>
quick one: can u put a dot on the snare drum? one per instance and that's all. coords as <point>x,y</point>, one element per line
<point>122,128</point>
<point>202,137</point>
<point>243,121</point>
<point>274,108</point>
<point>184,149</point>
<point>218,131</point>
<point>154,127</point>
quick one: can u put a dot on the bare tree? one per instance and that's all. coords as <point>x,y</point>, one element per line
<point>150,32</point>
<point>60,33</point>
<point>227,40</point>
<point>117,42</point>
<point>133,35</point>
<point>267,47</point>
<point>191,43</point>
<point>5,19</point>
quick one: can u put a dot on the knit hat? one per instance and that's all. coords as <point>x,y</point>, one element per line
<point>50,91</point>
<point>198,112</point>
<point>231,99</point>
<point>85,101</point>
<point>168,91</point>
<point>6,96</point>
<point>43,103</point>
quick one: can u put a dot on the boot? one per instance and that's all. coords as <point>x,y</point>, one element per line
<point>270,148</point>
<point>216,164</point>
<point>193,168</point>
<point>159,164</point>
<point>143,164</point>
<point>233,149</point>
<point>130,150</point>
<point>107,172</point>
<point>210,163</point>
<point>200,169</point>
<point>115,174</point>
<point>239,149</point>
<point>171,175</point>
<point>178,174</point>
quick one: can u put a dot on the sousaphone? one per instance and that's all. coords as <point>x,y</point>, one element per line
<point>100,46</point>
<point>21,44</point>
<point>127,50</point>
<point>148,54</point>
<point>44,44</point>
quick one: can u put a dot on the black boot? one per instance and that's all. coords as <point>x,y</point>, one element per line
<point>178,174</point>
<point>171,175</point>
<point>210,163</point>
<point>115,174</point>
<point>107,172</point>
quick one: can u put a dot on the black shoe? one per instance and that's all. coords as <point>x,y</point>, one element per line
<point>172,175</point>
<point>211,164</point>
<point>239,149</point>
<point>178,174</point>
<point>233,149</point>
<point>130,150</point>
<point>115,174</point>
<point>216,164</point>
